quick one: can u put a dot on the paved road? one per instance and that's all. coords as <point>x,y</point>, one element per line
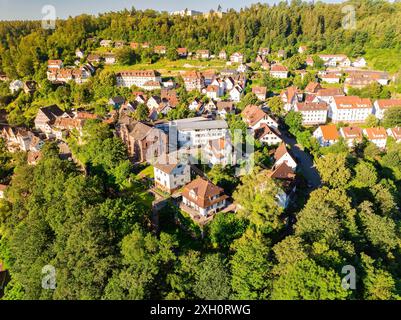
<point>304,161</point>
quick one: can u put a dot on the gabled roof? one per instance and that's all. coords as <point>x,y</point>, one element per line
<point>396,132</point>
<point>313,87</point>
<point>264,130</point>
<point>351,133</point>
<point>352,102</point>
<point>280,151</point>
<point>204,191</point>
<point>329,132</point>
<point>312,106</point>
<point>376,133</point>
<point>52,112</point>
<point>388,103</point>
<point>283,172</point>
<point>330,92</point>
<point>278,68</point>
<point>252,114</point>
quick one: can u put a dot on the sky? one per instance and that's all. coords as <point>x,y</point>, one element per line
<point>32,9</point>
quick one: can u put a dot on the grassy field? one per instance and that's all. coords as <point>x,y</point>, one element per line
<point>384,59</point>
<point>172,68</point>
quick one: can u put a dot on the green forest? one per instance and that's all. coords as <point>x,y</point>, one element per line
<point>92,218</point>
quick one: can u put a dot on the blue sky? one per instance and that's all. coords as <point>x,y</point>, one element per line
<point>31,9</point>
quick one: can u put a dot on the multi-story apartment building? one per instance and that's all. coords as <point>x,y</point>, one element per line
<point>380,106</point>
<point>312,112</point>
<point>350,109</point>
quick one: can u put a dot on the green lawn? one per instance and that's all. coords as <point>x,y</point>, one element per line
<point>170,68</point>
<point>384,59</point>
<point>147,172</point>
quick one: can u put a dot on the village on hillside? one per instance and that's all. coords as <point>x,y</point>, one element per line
<point>327,110</point>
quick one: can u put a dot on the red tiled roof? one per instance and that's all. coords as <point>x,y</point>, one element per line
<point>352,102</point>
<point>376,133</point>
<point>330,132</point>
<point>204,192</point>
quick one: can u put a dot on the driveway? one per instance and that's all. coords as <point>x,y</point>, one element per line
<point>304,160</point>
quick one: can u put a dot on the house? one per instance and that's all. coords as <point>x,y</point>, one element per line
<point>326,135</point>
<point>30,87</point>
<point>279,71</point>
<point>3,76</point>
<point>313,87</point>
<point>237,57</point>
<point>267,135</point>
<point>145,45</point>
<point>334,60</point>
<point>236,93</point>
<point>136,78</point>
<point>350,109</point>
<point>327,94</point>
<point>79,53</point>
<point>62,127</point>
<point>282,155</point>
<point>160,50</point>
<point>153,102</point>
<point>3,188</point>
<point>260,92</point>
<point>203,54</point>
<point>309,61</point>
<point>254,117</point>
<point>242,68</point>
<point>351,135</point>
<point>106,43</point>
<point>213,92</point>
<point>196,105</point>
<point>264,51</point>
<point>16,86</point>
<point>224,108</point>
<point>223,55</point>
<point>380,106</point>
<point>169,96</point>
<point>119,44</point>
<point>281,54</point>
<point>312,112</point>
<point>290,96</point>
<point>109,58</point>
<point>182,52</point>
<point>151,85</point>
<point>260,59</point>
<point>144,143</point>
<point>94,58</point>
<point>302,49</point>
<point>134,45</point>
<point>193,80</point>
<point>219,151</point>
<point>203,197</point>
<point>116,102</point>
<point>377,136</point>
<point>20,139</point>
<point>170,177</point>
<point>359,63</point>
<point>46,117</point>
<point>54,64</point>
<point>395,133</point>
<point>330,77</point>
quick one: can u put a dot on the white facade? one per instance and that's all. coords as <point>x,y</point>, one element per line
<point>136,78</point>
<point>349,112</point>
<point>172,179</point>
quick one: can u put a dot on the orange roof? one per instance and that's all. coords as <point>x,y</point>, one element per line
<point>352,102</point>
<point>329,132</point>
<point>396,132</point>
<point>330,92</point>
<point>376,133</point>
<point>280,151</point>
<point>252,114</point>
<point>203,191</point>
<point>278,68</point>
<point>388,103</point>
<point>312,87</point>
<point>259,90</point>
<point>351,133</point>
<point>312,106</point>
